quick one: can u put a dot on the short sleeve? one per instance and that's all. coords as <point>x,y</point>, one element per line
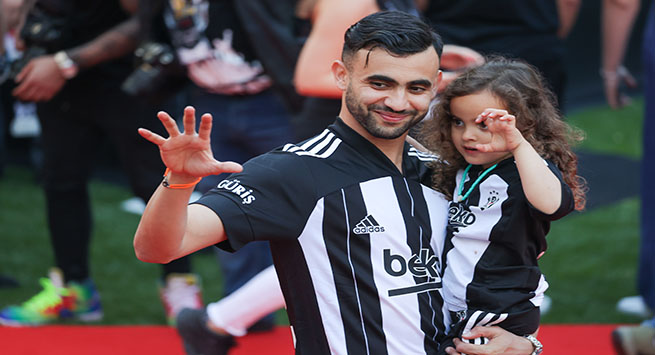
<point>269,200</point>
<point>567,203</point>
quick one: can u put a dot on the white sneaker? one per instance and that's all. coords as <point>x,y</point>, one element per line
<point>180,291</point>
<point>633,305</point>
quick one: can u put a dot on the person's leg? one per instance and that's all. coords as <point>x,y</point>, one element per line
<point>68,146</point>
<point>68,139</point>
<point>628,340</point>
<point>646,272</point>
<point>211,331</point>
<point>245,306</point>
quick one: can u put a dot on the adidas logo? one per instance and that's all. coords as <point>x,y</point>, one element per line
<point>368,225</point>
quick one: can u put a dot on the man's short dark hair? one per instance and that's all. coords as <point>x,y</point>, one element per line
<point>399,33</point>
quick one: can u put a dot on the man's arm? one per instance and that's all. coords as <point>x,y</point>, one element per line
<point>617,19</point>
<point>331,19</point>
<point>568,14</point>
<point>42,77</point>
<point>501,342</point>
<point>170,229</point>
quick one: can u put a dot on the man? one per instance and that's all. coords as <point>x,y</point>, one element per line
<point>354,231</point>
<point>77,87</point>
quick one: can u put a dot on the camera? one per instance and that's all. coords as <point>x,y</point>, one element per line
<point>42,33</point>
<point>157,74</point>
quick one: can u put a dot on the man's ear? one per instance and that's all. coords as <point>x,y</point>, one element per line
<point>435,87</point>
<point>340,74</point>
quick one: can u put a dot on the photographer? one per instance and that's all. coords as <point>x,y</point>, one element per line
<point>86,46</point>
<point>238,58</point>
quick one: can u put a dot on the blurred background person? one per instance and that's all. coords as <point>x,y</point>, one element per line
<point>8,15</point>
<point>618,18</point>
<point>529,30</point>
<point>76,55</point>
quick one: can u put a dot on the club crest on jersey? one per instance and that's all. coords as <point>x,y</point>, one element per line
<point>491,200</point>
<point>235,187</point>
<point>459,215</point>
<point>368,225</point>
<point>423,266</point>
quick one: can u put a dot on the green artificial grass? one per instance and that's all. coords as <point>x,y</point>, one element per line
<point>611,131</point>
<point>590,263</point>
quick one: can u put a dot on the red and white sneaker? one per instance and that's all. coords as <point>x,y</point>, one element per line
<point>180,291</point>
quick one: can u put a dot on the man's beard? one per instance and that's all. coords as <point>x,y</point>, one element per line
<point>365,118</point>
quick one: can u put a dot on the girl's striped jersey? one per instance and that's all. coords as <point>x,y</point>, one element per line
<point>356,243</point>
<point>495,238</point>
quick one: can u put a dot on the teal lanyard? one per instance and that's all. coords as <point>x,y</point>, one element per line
<point>459,197</point>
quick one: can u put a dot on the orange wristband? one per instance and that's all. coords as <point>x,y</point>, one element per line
<point>177,186</point>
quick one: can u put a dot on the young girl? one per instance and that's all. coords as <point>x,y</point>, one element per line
<point>509,170</point>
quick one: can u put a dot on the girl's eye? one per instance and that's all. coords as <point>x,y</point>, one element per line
<point>457,122</point>
<point>483,125</point>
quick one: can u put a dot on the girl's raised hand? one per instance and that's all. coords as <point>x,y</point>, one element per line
<point>189,153</point>
<point>505,137</point>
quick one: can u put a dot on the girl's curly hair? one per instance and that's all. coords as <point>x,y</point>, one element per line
<point>522,89</point>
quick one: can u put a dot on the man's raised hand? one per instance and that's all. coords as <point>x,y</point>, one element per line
<point>188,155</point>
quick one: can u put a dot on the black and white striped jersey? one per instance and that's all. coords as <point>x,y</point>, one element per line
<point>494,240</point>
<point>355,242</point>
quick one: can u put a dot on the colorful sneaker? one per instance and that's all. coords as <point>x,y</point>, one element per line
<point>83,303</point>
<point>180,291</point>
<point>55,302</point>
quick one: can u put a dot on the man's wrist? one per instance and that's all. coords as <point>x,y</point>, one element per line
<point>67,66</point>
<point>537,347</point>
<point>174,180</point>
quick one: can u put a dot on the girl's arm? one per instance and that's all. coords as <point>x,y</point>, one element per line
<point>541,187</point>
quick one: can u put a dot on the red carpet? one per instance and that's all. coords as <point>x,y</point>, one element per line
<point>160,340</point>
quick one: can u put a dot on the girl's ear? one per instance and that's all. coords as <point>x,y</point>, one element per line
<point>340,73</point>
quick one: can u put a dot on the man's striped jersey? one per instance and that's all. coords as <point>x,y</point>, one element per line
<point>495,238</point>
<point>355,242</point>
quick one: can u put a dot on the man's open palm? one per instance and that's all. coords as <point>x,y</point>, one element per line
<point>188,153</point>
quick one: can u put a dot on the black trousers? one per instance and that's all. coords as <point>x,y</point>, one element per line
<point>73,123</point>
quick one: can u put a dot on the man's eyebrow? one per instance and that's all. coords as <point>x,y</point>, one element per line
<point>379,77</point>
<point>420,82</point>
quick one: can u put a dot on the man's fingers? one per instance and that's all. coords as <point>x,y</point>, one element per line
<point>189,120</point>
<point>152,137</point>
<point>205,128</point>
<point>451,351</point>
<point>630,80</point>
<point>21,75</point>
<point>481,332</point>
<point>169,123</point>
<point>469,349</point>
<point>227,167</point>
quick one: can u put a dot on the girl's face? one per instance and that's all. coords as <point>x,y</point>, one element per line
<point>467,134</point>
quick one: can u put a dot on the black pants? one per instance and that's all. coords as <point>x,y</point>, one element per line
<point>72,124</point>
